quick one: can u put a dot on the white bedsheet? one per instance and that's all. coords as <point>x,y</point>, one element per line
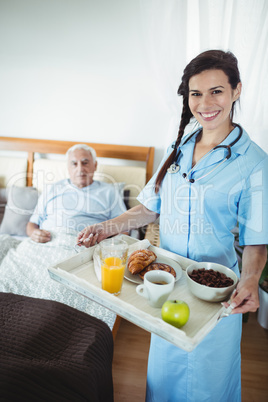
<point>23,271</point>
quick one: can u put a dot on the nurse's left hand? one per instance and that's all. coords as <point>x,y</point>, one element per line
<point>245,298</point>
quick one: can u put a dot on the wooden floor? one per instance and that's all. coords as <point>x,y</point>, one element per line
<point>131,352</point>
<point>254,349</point>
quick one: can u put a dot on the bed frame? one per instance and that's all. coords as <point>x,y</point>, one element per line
<point>122,152</point>
<point>33,146</point>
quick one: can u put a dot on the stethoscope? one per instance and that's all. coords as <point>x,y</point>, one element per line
<point>175,167</point>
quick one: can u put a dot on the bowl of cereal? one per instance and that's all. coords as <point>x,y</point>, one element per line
<point>211,282</point>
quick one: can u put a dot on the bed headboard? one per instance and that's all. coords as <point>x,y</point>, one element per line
<point>33,146</point>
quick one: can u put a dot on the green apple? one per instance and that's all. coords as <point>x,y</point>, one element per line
<point>175,312</point>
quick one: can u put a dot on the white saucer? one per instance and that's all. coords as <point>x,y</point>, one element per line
<point>165,260</point>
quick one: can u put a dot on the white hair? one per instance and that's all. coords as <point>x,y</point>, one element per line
<point>85,147</point>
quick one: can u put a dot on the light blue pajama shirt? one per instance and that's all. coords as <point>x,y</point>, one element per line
<point>64,205</point>
<point>196,220</point>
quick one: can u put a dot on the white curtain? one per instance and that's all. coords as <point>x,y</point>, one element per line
<point>177,30</point>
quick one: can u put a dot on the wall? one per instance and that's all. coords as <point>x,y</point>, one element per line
<point>78,70</point>
<point>108,70</point>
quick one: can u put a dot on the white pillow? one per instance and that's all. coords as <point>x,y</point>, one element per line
<point>21,202</point>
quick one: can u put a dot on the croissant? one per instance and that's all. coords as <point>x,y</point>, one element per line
<point>139,259</point>
<point>158,266</point>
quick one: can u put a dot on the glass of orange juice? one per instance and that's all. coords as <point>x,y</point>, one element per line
<point>113,255</point>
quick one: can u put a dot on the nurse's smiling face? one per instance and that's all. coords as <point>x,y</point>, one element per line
<point>211,98</point>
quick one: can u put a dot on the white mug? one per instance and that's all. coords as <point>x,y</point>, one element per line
<point>157,287</point>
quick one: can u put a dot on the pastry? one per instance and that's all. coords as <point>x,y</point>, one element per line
<point>158,265</point>
<point>139,259</point>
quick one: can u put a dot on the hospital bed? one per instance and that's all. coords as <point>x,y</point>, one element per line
<point>26,167</point>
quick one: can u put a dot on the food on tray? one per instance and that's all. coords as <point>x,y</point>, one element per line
<point>175,312</point>
<point>158,266</point>
<point>140,259</point>
<point>211,278</point>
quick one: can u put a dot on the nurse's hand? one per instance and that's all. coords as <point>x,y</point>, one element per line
<point>246,296</point>
<point>92,235</point>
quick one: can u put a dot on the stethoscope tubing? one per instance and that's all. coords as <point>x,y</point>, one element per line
<point>174,168</point>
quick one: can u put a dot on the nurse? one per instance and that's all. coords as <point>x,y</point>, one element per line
<point>208,182</point>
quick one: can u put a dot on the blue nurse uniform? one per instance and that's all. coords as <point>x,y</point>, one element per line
<point>196,221</point>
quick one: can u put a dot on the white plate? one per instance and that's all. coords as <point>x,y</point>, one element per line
<point>164,260</point>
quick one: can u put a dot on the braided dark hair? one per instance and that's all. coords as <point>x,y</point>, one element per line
<point>209,60</point>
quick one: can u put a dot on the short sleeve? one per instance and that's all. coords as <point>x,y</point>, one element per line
<point>118,206</point>
<point>253,207</point>
<point>39,214</point>
<point>148,197</point>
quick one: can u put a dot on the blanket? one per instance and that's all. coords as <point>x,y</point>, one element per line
<point>52,352</point>
<point>23,271</point>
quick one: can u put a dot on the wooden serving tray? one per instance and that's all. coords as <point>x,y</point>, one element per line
<point>78,274</point>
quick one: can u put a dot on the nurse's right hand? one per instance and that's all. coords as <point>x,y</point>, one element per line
<point>92,235</point>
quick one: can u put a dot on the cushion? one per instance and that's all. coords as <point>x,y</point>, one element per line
<point>3,196</point>
<point>134,178</point>
<point>13,171</point>
<point>53,352</point>
<point>20,206</point>
<point>3,201</point>
<point>47,171</point>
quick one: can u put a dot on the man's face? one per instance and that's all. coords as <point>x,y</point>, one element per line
<point>81,167</point>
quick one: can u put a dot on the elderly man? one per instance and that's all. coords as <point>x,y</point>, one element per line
<point>76,202</point>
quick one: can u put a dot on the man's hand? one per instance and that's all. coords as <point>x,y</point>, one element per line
<point>40,236</point>
<point>36,234</point>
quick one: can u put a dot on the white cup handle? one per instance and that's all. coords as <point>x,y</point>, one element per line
<point>140,289</point>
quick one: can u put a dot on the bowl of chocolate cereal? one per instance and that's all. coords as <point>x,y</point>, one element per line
<point>211,282</point>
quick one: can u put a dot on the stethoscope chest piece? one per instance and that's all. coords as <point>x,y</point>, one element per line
<point>174,168</point>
